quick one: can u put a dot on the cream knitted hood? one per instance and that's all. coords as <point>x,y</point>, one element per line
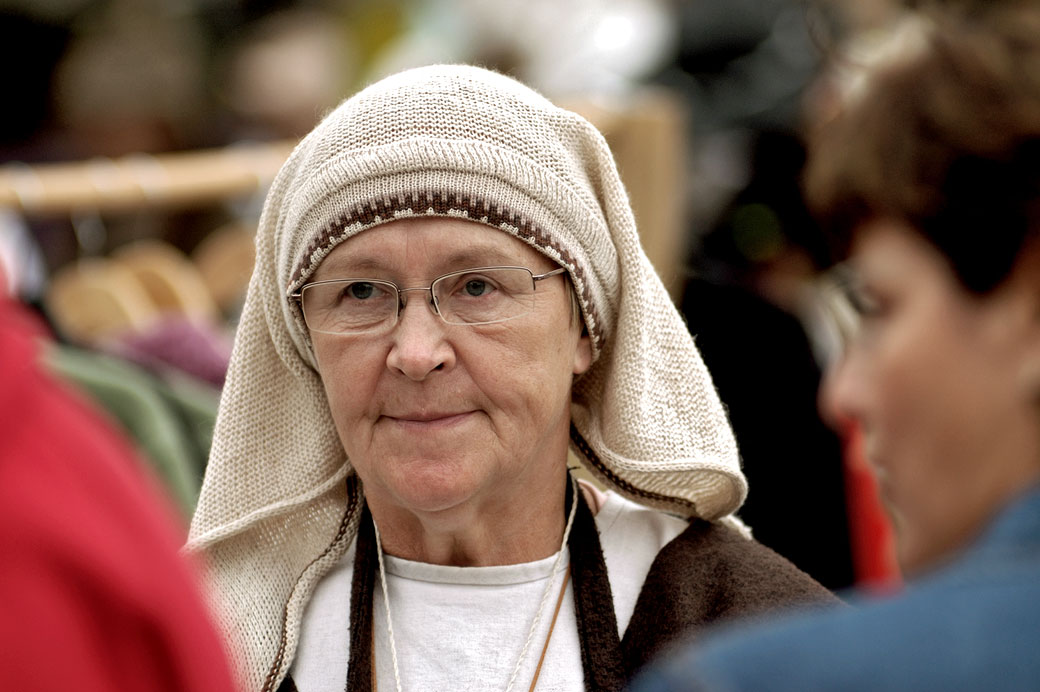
<point>279,501</point>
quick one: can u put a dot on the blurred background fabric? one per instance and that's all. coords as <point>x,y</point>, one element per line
<point>140,137</point>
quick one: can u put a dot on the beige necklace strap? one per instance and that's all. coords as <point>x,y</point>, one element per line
<point>552,626</point>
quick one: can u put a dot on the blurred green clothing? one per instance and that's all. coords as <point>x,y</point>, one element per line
<point>169,415</point>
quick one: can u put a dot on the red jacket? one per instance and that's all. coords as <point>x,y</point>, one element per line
<point>94,594</point>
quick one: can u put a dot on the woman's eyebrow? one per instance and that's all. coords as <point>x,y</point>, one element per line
<point>361,266</point>
<point>343,267</point>
<point>479,257</point>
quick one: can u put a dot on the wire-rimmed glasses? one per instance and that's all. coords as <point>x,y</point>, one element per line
<point>843,304</point>
<point>484,295</point>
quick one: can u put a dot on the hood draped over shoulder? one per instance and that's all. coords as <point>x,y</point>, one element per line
<point>280,500</point>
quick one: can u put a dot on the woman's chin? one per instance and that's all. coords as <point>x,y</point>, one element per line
<point>433,489</point>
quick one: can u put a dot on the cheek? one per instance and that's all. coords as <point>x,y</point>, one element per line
<point>350,375</point>
<point>937,416</point>
<point>519,386</point>
<point>906,406</point>
<point>940,387</point>
<point>528,376</point>
<point>892,379</point>
<point>918,369</point>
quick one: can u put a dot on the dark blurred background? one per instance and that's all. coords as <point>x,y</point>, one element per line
<point>702,102</point>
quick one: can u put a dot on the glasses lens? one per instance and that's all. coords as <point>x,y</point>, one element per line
<point>482,296</point>
<point>338,307</point>
<point>844,303</point>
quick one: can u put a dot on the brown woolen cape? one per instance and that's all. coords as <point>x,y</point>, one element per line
<point>710,574</point>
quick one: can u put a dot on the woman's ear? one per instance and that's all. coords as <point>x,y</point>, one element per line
<point>1026,273</point>
<point>583,353</point>
<point>1025,279</point>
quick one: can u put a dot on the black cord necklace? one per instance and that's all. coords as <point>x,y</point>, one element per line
<point>593,605</point>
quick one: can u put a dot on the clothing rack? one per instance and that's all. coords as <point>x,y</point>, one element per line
<point>646,131</point>
<point>134,181</point>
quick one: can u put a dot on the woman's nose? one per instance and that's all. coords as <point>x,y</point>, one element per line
<point>420,345</point>
<point>838,399</point>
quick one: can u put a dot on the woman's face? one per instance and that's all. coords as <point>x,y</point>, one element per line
<point>945,386</point>
<point>434,416</point>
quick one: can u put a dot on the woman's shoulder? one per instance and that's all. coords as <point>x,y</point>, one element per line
<point>712,572</point>
<point>717,558</point>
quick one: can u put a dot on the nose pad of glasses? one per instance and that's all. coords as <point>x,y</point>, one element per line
<point>431,301</point>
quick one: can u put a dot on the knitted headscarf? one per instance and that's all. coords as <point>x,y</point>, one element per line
<point>279,503</point>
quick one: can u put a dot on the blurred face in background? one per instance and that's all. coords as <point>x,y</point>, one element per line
<point>946,386</point>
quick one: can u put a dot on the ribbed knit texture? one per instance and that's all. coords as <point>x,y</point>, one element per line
<point>278,504</point>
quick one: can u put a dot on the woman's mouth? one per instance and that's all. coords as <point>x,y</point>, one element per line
<point>430,420</point>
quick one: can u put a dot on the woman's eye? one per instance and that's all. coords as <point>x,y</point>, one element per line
<point>360,290</point>
<point>863,302</point>
<point>477,287</point>
<point>861,298</point>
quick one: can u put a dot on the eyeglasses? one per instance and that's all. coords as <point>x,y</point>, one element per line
<point>844,304</point>
<point>485,295</point>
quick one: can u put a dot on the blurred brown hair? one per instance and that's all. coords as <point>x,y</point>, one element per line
<point>944,134</point>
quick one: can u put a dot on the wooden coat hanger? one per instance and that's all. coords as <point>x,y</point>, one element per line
<point>185,179</point>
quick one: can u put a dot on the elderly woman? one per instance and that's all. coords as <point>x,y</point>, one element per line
<point>932,170</point>
<point>450,293</point>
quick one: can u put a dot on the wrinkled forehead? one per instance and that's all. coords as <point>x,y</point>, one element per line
<point>422,247</point>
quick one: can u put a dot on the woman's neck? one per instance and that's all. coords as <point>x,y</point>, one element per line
<point>500,531</point>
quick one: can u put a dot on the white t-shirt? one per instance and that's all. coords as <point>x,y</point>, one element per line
<point>462,628</point>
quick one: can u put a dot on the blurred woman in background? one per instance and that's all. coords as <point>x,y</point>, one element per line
<point>929,174</point>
